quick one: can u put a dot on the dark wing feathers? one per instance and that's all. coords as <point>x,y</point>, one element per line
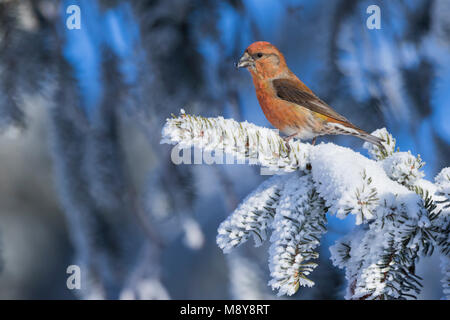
<point>288,90</point>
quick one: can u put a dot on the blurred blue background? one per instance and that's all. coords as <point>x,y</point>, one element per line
<point>84,180</point>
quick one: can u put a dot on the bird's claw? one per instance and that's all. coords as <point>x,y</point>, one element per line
<point>286,141</point>
<point>288,146</point>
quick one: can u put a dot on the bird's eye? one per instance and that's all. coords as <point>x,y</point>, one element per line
<point>259,54</point>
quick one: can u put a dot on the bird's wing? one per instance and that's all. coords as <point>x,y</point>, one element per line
<point>288,90</point>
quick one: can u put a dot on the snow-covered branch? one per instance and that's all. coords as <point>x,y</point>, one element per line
<point>399,215</point>
<point>242,140</point>
<point>298,225</point>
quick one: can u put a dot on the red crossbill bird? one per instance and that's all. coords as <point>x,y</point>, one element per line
<point>288,104</point>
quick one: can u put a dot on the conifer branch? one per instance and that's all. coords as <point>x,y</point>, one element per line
<point>399,215</point>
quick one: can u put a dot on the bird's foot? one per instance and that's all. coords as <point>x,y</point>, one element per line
<point>287,139</point>
<point>313,142</point>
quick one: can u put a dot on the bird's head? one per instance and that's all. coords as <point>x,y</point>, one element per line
<point>263,59</point>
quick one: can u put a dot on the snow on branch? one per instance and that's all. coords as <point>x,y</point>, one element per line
<point>299,224</point>
<point>442,182</point>
<point>243,140</point>
<point>253,216</point>
<point>399,215</point>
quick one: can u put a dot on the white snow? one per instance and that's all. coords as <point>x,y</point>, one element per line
<point>242,140</point>
<point>403,167</point>
<point>443,181</point>
<point>253,216</point>
<point>299,223</point>
<point>337,173</point>
<point>381,192</point>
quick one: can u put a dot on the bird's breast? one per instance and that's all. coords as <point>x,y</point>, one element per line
<point>283,115</point>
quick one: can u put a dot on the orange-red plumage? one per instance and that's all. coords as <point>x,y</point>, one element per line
<point>287,102</point>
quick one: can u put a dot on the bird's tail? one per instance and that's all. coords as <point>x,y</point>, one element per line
<point>349,129</point>
<point>370,138</point>
<point>374,140</point>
